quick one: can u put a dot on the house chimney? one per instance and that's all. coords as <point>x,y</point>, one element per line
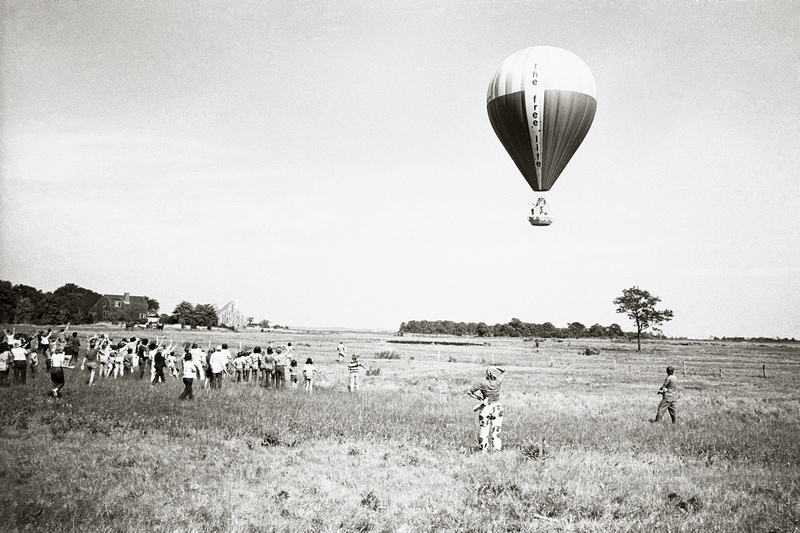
<point>127,298</point>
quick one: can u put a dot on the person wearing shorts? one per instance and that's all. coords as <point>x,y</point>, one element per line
<point>90,361</point>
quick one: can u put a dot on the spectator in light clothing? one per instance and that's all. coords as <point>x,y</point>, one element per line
<point>238,367</point>
<point>280,368</point>
<point>172,365</point>
<point>341,351</point>
<point>57,366</point>
<point>219,364</point>
<point>352,368</point>
<point>191,371</point>
<point>308,375</point>
<point>44,347</point>
<point>20,357</point>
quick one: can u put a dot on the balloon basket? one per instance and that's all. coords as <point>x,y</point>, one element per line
<point>540,220</point>
<point>540,213</point>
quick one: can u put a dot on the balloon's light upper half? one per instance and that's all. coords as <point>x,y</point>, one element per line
<point>541,103</point>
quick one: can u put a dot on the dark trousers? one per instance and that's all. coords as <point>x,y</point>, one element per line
<point>187,391</point>
<point>280,377</point>
<point>216,380</point>
<point>668,405</point>
<point>3,378</point>
<point>159,375</point>
<point>57,377</point>
<point>20,372</point>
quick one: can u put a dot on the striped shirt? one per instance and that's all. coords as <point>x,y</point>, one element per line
<point>353,366</point>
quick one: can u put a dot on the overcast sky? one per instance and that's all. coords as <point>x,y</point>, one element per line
<point>332,164</point>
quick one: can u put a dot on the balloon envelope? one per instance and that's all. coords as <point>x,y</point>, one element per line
<point>541,103</point>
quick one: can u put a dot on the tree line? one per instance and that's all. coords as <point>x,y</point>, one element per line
<point>71,304</point>
<point>513,328</point>
<point>23,304</point>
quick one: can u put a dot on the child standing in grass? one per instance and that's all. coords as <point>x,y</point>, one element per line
<point>352,368</point>
<point>238,365</point>
<point>294,373</point>
<point>308,375</point>
<point>490,410</point>
<point>90,360</point>
<point>171,365</point>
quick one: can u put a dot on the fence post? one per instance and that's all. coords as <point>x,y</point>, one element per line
<point>764,371</point>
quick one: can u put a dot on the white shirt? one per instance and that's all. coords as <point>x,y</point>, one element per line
<point>20,354</point>
<point>191,369</point>
<point>57,360</point>
<point>198,356</point>
<point>218,361</point>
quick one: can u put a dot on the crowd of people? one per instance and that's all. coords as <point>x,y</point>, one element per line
<point>274,367</point>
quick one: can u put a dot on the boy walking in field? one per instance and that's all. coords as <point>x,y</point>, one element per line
<point>341,351</point>
<point>352,368</point>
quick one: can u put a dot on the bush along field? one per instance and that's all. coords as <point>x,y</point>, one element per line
<point>580,452</point>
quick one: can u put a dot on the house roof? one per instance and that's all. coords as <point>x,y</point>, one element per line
<point>133,301</point>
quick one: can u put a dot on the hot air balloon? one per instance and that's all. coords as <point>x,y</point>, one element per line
<point>541,103</point>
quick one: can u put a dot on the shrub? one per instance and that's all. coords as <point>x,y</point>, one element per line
<point>387,354</point>
<point>537,450</point>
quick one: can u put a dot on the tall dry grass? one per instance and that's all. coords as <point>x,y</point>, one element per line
<point>580,454</point>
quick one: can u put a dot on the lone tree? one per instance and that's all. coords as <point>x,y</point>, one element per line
<point>640,306</point>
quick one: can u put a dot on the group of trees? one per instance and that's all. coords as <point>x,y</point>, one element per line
<point>24,304</point>
<point>186,314</point>
<point>637,304</point>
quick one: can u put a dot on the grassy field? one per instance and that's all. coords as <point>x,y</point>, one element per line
<point>400,455</point>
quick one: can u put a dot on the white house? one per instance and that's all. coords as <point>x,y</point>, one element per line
<point>231,317</point>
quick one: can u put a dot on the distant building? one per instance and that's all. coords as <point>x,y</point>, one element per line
<point>119,308</point>
<point>231,317</point>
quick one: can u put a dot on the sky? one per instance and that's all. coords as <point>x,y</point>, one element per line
<point>331,164</point>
